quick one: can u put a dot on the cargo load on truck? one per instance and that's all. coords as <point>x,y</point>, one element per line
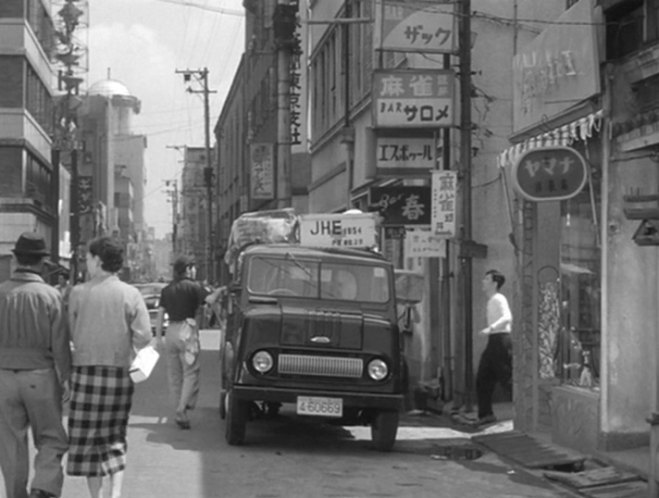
<point>260,227</point>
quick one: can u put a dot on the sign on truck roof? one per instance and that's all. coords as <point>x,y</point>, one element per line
<point>356,230</point>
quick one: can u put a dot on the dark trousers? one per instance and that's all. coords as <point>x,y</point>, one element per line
<point>496,365</point>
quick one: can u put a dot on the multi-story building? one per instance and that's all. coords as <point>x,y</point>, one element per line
<point>110,170</point>
<point>29,187</point>
<point>193,227</point>
<point>248,131</point>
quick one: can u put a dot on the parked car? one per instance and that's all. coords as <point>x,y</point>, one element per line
<point>151,294</point>
<point>317,328</point>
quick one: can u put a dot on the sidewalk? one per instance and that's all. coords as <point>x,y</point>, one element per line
<point>604,474</point>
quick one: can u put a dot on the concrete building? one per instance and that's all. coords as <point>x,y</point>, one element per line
<point>193,226</point>
<point>247,130</point>
<point>111,169</point>
<point>29,187</point>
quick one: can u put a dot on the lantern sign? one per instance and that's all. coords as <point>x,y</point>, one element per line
<point>550,174</point>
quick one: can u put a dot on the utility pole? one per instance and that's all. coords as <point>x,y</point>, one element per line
<point>465,259</point>
<point>201,75</point>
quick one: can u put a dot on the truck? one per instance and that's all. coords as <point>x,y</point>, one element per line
<point>314,325</point>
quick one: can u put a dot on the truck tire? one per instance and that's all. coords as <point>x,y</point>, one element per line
<point>236,419</point>
<point>223,404</point>
<point>383,430</point>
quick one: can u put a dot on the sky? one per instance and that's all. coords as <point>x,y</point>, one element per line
<point>143,43</point>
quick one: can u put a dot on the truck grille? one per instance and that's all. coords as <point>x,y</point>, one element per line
<point>326,366</point>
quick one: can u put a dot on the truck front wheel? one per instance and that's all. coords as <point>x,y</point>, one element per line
<point>236,419</point>
<point>383,430</point>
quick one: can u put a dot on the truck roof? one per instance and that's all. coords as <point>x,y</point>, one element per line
<point>297,250</point>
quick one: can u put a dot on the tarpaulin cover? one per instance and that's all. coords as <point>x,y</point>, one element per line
<point>260,227</point>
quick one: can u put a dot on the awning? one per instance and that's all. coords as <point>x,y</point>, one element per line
<point>580,129</point>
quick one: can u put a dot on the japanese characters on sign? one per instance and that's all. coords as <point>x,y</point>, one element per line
<point>401,205</point>
<point>550,174</point>
<point>262,185</point>
<point>297,90</point>
<point>557,68</point>
<point>415,98</point>
<point>415,26</point>
<point>420,242</point>
<point>444,195</point>
<point>404,152</point>
<point>338,230</point>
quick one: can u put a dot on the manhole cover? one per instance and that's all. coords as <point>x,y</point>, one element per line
<point>456,452</point>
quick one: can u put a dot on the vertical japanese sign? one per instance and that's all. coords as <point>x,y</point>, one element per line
<point>415,26</point>
<point>444,196</point>
<point>85,194</point>
<point>262,184</point>
<point>298,89</point>
<point>415,98</point>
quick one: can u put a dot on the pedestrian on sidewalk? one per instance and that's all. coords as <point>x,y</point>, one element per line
<point>109,321</point>
<point>496,361</point>
<point>35,364</point>
<point>182,300</point>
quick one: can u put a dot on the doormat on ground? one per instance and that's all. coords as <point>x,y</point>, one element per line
<point>593,477</point>
<point>528,451</point>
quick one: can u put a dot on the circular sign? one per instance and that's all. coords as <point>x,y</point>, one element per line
<point>550,174</point>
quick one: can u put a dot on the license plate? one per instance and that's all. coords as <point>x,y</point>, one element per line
<point>322,407</point>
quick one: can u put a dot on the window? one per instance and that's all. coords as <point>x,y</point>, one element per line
<point>624,28</point>
<point>580,289</point>
<point>310,279</point>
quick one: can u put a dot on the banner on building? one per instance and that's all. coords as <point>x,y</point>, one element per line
<point>338,230</point>
<point>401,205</point>
<point>262,177</point>
<point>420,242</point>
<point>444,196</point>
<point>416,26</point>
<point>557,69</point>
<point>413,98</point>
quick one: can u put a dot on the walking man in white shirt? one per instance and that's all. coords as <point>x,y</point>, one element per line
<point>496,361</point>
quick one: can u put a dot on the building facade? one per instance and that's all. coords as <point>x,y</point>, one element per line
<point>28,193</point>
<point>111,171</point>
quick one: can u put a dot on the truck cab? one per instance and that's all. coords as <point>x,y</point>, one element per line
<point>315,327</point>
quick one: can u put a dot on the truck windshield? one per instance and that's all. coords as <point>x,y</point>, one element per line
<point>318,280</point>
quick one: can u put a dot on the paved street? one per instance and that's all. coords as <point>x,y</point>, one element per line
<point>288,458</point>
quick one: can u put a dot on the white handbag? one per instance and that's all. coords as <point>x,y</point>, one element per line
<point>143,364</point>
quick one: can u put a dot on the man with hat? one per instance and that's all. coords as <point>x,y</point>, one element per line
<point>182,300</point>
<point>35,363</point>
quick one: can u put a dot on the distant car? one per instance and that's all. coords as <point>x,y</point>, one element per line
<point>151,294</point>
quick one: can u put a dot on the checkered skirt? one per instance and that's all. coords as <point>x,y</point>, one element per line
<point>98,416</point>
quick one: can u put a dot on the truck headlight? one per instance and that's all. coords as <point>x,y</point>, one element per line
<point>377,369</point>
<point>262,361</point>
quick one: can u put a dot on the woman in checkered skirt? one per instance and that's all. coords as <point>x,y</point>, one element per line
<point>108,320</point>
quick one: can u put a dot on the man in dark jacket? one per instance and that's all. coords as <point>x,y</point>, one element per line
<point>182,300</point>
<point>35,363</point>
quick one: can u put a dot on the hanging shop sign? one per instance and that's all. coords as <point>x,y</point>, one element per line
<point>444,196</point>
<point>401,205</point>
<point>262,183</point>
<point>420,242</point>
<point>557,69</point>
<point>404,153</point>
<point>338,230</point>
<point>416,26</point>
<point>298,89</point>
<point>550,174</point>
<point>415,98</point>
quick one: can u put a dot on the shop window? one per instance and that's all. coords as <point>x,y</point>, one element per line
<point>579,336</point>
<point>624,28</point>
